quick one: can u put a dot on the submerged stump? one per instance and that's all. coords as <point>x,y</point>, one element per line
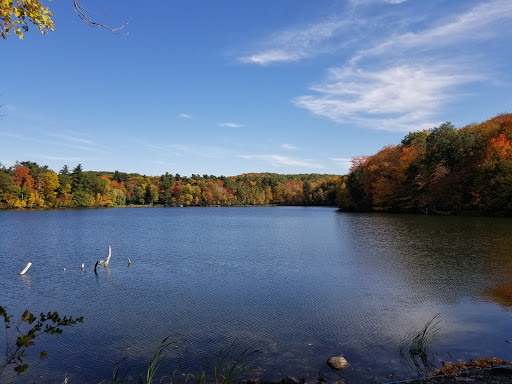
<point>26,268</point>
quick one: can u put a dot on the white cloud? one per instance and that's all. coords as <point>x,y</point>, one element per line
<point>64,140</point>
<point>63,158</point>
<point>156,148</point>
<point>72,138</point>
<point>199,151</point>
<point>271,56</point>
<point>344,164</point>
<point>400,70</point>
<point>12,135</point>
<point>278,160</point>
<point>184,116</point>
<point>231,125</point>
<point>179,150</point>
<point>289,147</point>
<point>396,88</point>
<point>479,23</point>
<point>296,44</point>
<point>397,98</point>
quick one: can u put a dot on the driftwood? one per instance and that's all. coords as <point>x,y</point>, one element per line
<point>129,261</point>
<point>26,268</point>
<point>442,213</point>
<point>109,254</point>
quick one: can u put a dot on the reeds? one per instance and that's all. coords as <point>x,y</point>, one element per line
<point>160,354</point>
<point>416,345</point>
<point>230,365</point>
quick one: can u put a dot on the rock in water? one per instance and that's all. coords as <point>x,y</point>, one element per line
<point>337,363</point>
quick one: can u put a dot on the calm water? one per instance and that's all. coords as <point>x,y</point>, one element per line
<point>301,284</point>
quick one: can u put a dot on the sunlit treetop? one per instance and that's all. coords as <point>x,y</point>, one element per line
<point>17,15</point>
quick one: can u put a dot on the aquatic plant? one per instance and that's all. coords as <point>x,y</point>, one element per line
<point>165,347</point>
<point>117,376</point>
<point>230,365</point>
<point>416,345</point>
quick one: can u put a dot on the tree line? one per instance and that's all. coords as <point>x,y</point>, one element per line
<point>30,185</point>
<point>443,170</point>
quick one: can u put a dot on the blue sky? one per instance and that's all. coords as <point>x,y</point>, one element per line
<point>227,87</point>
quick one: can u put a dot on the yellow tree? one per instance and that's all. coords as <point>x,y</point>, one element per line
<point>51,183</point>
<point>187,195</point>
<point>17,15</point>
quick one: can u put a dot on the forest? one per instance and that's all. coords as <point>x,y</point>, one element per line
<point>443,170</point>
<point>30,185</point>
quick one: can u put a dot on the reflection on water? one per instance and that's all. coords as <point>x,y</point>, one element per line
<point>501,294</point>
<point>302,284</point>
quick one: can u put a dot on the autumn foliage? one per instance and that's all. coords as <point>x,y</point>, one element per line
<point>443,170</point>
<point>18,15</point>
<point>29,185</point>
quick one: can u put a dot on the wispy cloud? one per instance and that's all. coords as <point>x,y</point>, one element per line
<point>156,148</point>
<point>485,18</point>
<point>398,71</point>
<point>289,147</point>
<point>184,116</point>
<point>342,163</point>
<point>397,98</point>
<point>12,135</point>
<point>271,56</point>
<point>199,151</point>
<point>404,81</point>
<point>57,140</point>
<point>278,160</point>
<point>231,125</point>
<point>71,138</point>
<point>64,158</point>
<point>180,150</point>
<point>296,44</point>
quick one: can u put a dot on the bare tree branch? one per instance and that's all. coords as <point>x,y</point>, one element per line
<point>83,14</point>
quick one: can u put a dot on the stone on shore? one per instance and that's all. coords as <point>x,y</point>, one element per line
<point>337,363</point>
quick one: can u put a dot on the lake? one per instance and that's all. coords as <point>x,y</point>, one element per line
<point>301,284</point>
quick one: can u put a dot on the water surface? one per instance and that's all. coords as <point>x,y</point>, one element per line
<point>301,284</point>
